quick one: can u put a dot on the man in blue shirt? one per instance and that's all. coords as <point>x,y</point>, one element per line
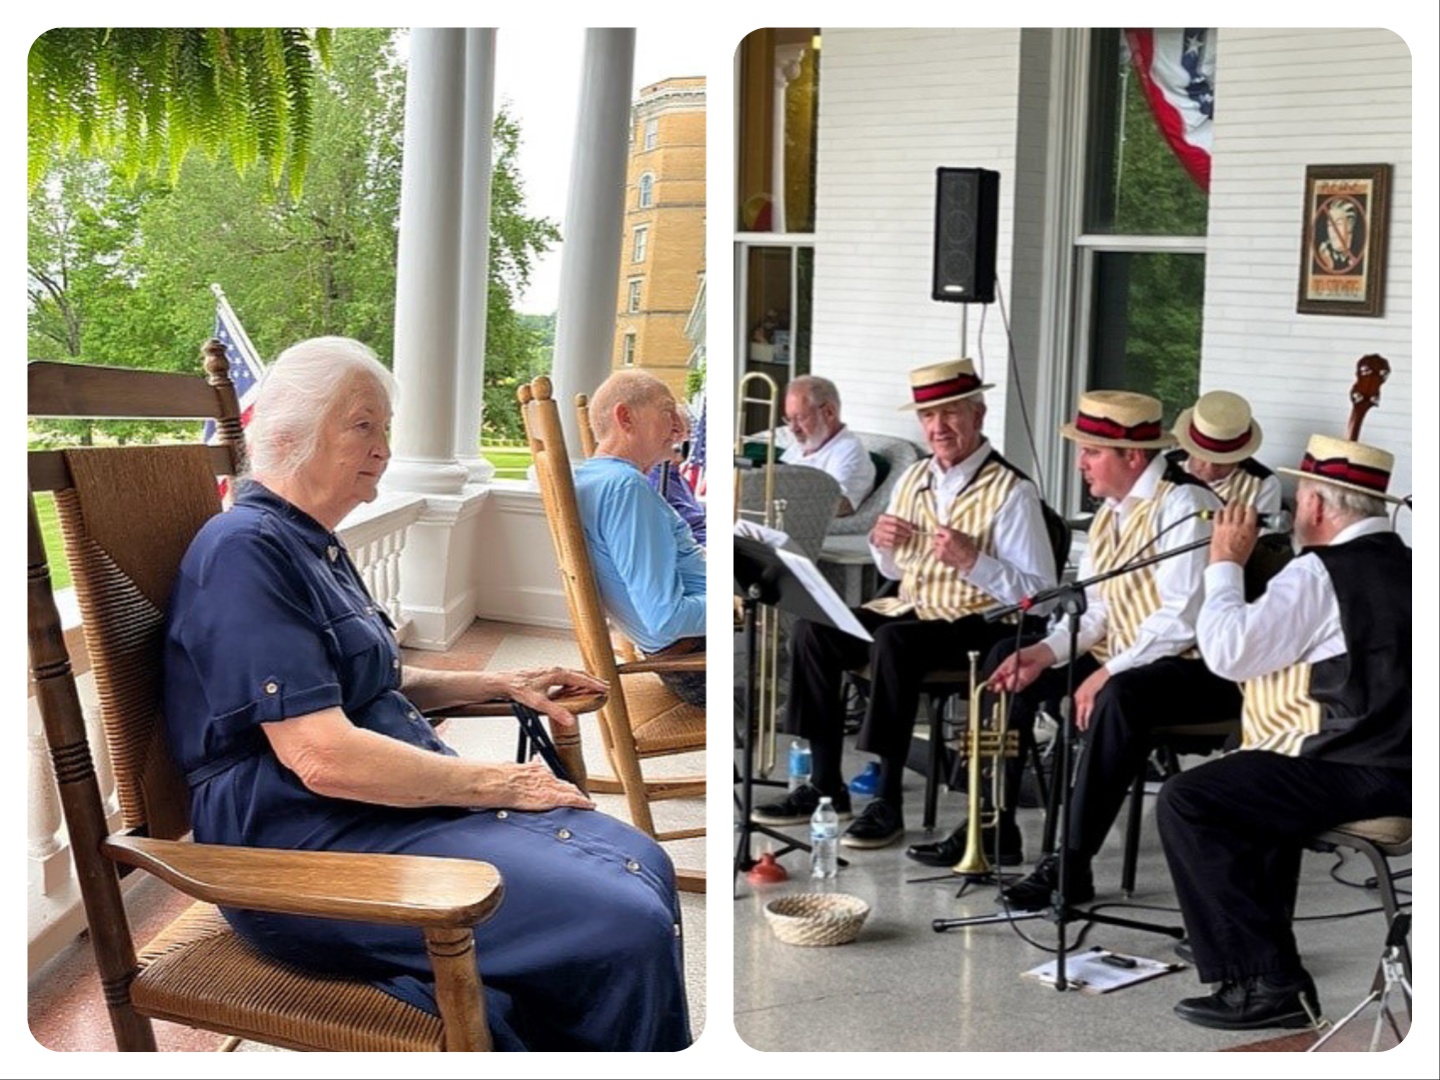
<point>650,571</point>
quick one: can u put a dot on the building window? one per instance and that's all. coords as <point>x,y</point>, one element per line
<point>647,190</point>
<point>627,350</point>
<point>632,303</point>
<point>652,133</point>
<point>642,240</point>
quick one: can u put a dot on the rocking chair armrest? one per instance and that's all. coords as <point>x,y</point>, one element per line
<point>406,890</point>
<point>578,702</point>
<point>689,662</point>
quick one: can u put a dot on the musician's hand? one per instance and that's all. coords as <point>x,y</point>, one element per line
<point>891,531</point>
<point>1236,528</point>
<point>1020,669</point>
<point>1085,697</point>
<point>955,549</point>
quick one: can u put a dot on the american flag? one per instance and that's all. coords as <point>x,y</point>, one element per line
<point>1177,72</point>
<point>245,366</point>
<point>694,468</point>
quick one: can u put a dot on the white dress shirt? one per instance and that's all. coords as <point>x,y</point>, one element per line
<point>1023,563</point>
<point>1296,620</point>
<point>845,458</point>
<point>1170,629</point>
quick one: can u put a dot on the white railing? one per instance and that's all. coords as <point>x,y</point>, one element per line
<point>374,535</point>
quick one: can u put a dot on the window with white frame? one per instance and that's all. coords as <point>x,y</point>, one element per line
<point>652,133</point>
<point>640,244</point>
<point>627,349</point>
<point>646,190</point>
<point>632,300</point>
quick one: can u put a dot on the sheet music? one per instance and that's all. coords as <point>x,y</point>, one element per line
<point>828,599</point>
<point>766,535</point>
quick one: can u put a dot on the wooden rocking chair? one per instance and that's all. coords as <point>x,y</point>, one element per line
<point>641,717</point>
<point>198,972</point>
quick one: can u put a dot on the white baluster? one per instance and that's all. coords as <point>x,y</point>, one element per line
<point>44,819</point>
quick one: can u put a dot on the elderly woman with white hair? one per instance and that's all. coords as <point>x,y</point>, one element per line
<point>297,727</point>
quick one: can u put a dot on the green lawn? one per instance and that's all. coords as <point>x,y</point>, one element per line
<point>54,545</point>
<point>510,461</point>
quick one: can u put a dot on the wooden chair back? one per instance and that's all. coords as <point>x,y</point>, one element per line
<point>582,421</point>
<point>128,515</point>
<point>640,718</point>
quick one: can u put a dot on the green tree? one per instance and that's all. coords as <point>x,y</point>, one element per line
<point>154,94</point>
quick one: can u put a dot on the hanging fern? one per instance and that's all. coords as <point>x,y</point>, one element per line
<point>151,96</point>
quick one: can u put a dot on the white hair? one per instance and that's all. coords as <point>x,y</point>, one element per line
<point>1344,505</point>
<point>817,391</point>
<point>298,390</point>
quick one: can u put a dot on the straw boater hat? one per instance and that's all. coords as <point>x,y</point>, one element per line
<point>1219,429</point>
<point>935,384</point>
<point>1346,464</point>
<point>1118,418</point>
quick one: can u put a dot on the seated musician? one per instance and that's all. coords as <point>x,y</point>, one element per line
<point>1218,440</point>
<point>649,569</point>
<point>1325,659</point>
<point>297,727</point>
<point>1136,664</point>
<point>822,441</point>
<point>964,532</point>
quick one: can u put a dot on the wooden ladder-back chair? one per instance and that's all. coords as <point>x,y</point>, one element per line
<point>641,718</point>
<point>129,514</point>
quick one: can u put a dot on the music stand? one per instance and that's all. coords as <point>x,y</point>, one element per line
<point>765,576</point>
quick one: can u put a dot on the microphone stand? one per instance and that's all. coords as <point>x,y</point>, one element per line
<point>1071,600</point>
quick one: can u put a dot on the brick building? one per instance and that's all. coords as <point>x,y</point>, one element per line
<point>662,257</point>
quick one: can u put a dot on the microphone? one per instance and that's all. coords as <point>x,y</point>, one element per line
<point>1284,521</point>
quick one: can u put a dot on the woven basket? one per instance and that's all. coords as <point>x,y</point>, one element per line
<point>816,918</point>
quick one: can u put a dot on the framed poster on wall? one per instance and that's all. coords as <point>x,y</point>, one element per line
<point>1342,253</point>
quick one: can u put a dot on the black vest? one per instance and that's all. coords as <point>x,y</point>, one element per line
<point>1364,694</point>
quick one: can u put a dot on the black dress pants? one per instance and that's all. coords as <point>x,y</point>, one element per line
<point>1233,831</point>
<point>1134,702</point>
<point>904,649</point>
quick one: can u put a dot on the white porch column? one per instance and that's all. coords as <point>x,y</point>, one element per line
<point>436,590</point>
<point>594,222</point>
<point>427,268</point>
<point>475,251</point>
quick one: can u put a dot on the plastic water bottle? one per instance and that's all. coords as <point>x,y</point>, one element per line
<point>799,763</point>
<point>824,842</point>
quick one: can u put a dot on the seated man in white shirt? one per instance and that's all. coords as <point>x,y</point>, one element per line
<point>1325,656</point>
<point>1136,664</point>
<point>821,441</point>
<point>1218,440</point>
<point>964,532</point>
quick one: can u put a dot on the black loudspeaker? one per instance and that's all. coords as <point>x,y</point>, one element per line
<point>967,207</point>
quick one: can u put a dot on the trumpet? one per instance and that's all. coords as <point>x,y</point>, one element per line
<point>995,741</point>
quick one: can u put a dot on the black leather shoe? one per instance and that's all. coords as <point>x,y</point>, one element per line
<point>880,825</point>
<point>1184,951</point>
<point>1036,892</point>
<point>951,850</point>
<point>1260,1001</point>
<point>796,808</point>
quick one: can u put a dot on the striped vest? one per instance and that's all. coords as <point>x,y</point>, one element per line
<point>1279,712</point>
<point>929,588</point>
<point>1241,486</point>
<point>1130,598</point>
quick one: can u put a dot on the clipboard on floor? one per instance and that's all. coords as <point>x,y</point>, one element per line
<point>1100,971</point>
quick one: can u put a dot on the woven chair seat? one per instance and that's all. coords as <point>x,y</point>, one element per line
<point>661,722</point>
<point>199,972</point>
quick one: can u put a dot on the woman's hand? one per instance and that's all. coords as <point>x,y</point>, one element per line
<point>537,688</point>
<point>531,786</point>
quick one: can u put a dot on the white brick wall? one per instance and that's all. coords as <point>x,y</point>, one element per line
<point>1285,100</point>
<point>894,106</point>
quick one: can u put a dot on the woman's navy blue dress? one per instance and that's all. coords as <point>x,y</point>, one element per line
<point>269,620</point>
